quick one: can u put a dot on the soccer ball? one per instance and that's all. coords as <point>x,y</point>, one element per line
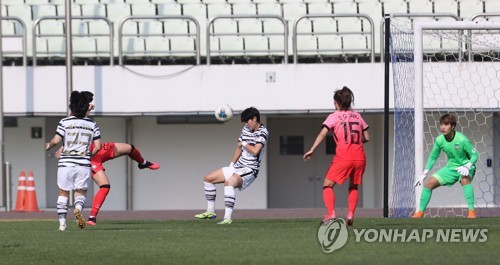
<point>223,113</point>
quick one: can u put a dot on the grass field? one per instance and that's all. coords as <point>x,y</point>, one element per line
<point>243,242</point>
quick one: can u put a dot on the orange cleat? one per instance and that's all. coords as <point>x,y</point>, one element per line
<point>472,214</point>
<point>418,214</point>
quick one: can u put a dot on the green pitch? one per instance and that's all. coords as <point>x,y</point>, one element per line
<point>243,242</point>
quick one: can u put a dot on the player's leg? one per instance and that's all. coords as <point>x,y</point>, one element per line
<point>425,197</point>
<point>134,153</point>
<point>82,175</point>
<point>235,181</point>
<point>469,195</point>
<point>214,177</point>
<point>337,173</point>
<point>102,181</point>
<point>65,184</point>
<point>353,195</point>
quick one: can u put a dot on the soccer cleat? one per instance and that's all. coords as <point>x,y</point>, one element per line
<point>91,221</point>
<point>225,222</point>
<point>206,215</point>
<point>472,214</point>
<point>150,165</point>
<point>80,221</point>
<point>350,222</point>
<point>418,214</point>
<point>328,218</point>
<point>62,227</point>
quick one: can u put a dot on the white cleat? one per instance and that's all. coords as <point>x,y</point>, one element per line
<point>62,228</point>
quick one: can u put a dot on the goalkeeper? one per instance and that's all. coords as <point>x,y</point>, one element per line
<point>460,167</point>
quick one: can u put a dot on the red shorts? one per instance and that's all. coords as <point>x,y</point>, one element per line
<point>106,153</point>
<point>341,170</point>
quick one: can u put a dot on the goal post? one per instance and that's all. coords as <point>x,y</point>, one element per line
<point>443,67</point>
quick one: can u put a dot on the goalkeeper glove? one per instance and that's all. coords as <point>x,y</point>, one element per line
<point>464,170</point>
<point>421,179</point>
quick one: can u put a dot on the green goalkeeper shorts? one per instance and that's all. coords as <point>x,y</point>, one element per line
<point>449,176</point>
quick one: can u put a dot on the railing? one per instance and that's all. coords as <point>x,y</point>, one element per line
<point>121,35</point>
<point>23,39</point>
<point>371,32</point>
<point>37,22</point>
<point>473,18</point>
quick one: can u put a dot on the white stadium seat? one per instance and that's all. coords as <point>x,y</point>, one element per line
<point>269,9</point>
<point>84,47</point>
<point>329,45</point>
<point>446,6</point>
<point>144,9</point>
<point>75,10</point>
<point>218,10</point>
<point>169,9</point>
<point>231,45</point>
<point>256,45</point>
<point>157,46</point>
<point>96,9</point>
<point>469,8</point>
<point>250,26</point>
<point>153,27</point>
<point>244,9</point>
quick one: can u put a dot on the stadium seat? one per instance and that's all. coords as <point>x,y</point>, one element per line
<point>256,46</point>
<point>43,11</point>
<point>304,26</point>
<point>102,45</point>
<point>188,2</point>
<point>324,25</point>
<point>150,27</point>
<point>84,47</point>
<point>183,46</point>
<point>354,44</point>
<point>329,45</point>
<point>393,7</point>
<point>163,1</point>
<point>79,27</point>
<point>48,27</point>
<point>175,26</point>
<point>4,11</point>
<point>264,1</point>
<point>372,9</point>
<point>137,1</point>
<point>239,1</point>
<point>223,9</point>
<point>307,45</point>
<point>320,8</point>
<point>469,8</point>
<point>117,11</point>
<point>112,1</point>
<point>315,1</point>
<point>35,2</point>
<point>99,27</point>
<point>231,45</point>
<point>12,2</point>
<point>419,6</point>
<point>273,26</point>
<point>225,26</point>
<point>269,9</point>
<point>248,8</point>
<point>345,8</point>
<point>96,9</point>
<point>22,11</point>
<point>214,1</point>
<point>348,24</point>
<point>133,47</point>
<point>143,9</point>
<point>198,11</point>
<point>82,2</point>
<point>56,47</point>
<point>293,10</point>
<point>75,10</point>
<point>169,9</point>
<point>8,27</point>
<point>157,46</point>
<point>41,47</point>
<point>446,6</point>
<point>250,26</point>
<point>491,6</point>
<point>277,45</point>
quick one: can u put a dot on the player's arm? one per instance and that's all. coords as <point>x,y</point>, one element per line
<point>55,140</point>
<point>471,151</point>
<point>433,156</point>
<point>237,153</point>
<point>366,136</point>
<point>254,149</point>
<point>97,147</point>
<point>321,136</point>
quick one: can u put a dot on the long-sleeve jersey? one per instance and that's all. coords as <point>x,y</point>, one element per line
<point>459,151</point>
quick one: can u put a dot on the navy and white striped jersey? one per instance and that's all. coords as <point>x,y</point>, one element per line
<point>248,159</point>
<point>77,134</point>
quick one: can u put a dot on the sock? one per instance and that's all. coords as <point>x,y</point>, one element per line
<point>352,202</point>
<point>99,199</point>
<point>425,198</point>
<point>469,195</point>
<point>62,209</point>
<point>136,155</point>
<point>210,193</point>
<point>329,200</point>
<point>79,202</point>
<point>229,198</point>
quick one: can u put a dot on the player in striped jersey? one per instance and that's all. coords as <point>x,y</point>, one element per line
<point>242,170</point>
<point>350,133</point>
<point>77,133</point>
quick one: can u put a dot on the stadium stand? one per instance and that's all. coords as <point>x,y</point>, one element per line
<point>321,38</point>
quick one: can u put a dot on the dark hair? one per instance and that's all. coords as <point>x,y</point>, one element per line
<point>78,104</point>
<point>89,96</point>
<point>249,114</point>
<point>344,98</point>
<point>448,119</point>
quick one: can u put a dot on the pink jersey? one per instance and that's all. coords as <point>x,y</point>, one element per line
<point>347,128</point>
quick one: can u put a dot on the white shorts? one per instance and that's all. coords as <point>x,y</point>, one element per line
<point>73,178</point>
<point>247,174</point>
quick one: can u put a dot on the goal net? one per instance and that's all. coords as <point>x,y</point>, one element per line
<point>438,68</point>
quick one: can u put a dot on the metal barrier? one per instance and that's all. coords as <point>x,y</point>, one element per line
<point>371,32</point>
<point>23,39</point>
<point>121,35</point>
<point>281,19</point>
<point>473,18</point>
<point>105,19</point>
<point>7,186</point>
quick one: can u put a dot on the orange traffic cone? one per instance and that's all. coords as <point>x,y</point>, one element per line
<point>21,193</point>
<point>31,204</point>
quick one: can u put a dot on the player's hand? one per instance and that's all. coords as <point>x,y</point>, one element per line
<point>308,155</point>
<point>47,146</point>
<point>58,152</point>
<point>464,170</point>
<point>421,179</point>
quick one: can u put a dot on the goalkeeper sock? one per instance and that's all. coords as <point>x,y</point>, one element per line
<point>352,202</point>
<point>229,198</point>
<point>99,199</point>
<point>210,193</point>
<point>329,200</point>
<point>469,195</point>
<point>425,197</point>
<point>62,208</point>
<point>136,155</point>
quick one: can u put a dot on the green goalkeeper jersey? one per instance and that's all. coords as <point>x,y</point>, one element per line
<point>459,151</point>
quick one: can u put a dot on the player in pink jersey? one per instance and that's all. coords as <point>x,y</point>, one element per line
<point>349,132</point>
